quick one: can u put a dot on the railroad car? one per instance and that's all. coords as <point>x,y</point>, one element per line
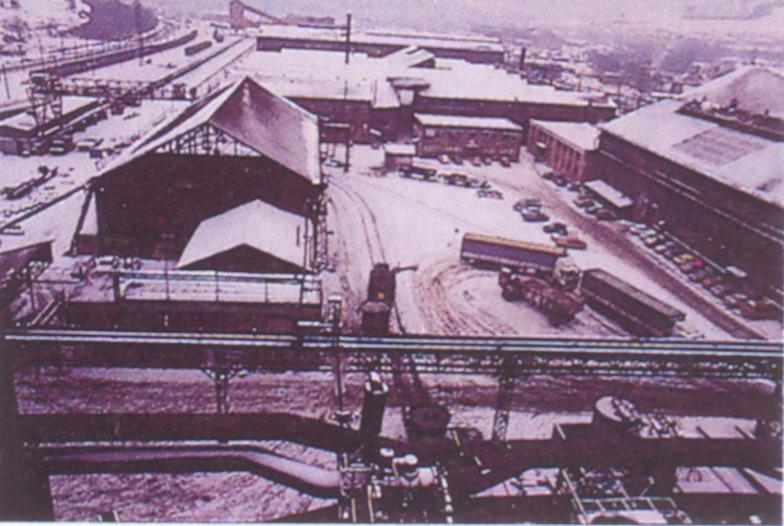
<point>635,310</point>
<point>197,48</point>
<point>381,286</point>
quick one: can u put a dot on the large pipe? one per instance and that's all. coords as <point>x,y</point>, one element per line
<point>312,480</point>
<point>373,406</point>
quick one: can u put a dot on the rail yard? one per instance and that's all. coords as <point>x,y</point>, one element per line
<point>257,266</point>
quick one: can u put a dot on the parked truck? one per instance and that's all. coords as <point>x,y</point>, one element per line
<point>551,297</point>
<point>635,310</point>
<point>526,258</point>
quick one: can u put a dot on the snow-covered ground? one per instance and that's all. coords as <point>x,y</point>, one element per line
<point>405,222</point>
<point>74,170</point>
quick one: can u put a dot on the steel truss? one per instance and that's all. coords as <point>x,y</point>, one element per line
<point>430,355</point>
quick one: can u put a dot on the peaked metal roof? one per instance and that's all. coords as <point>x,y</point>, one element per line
<point>255,224</point>
<point>262,120</point>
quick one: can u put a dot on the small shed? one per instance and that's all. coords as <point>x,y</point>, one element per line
<point>397,155</point>
<point>253,237</point>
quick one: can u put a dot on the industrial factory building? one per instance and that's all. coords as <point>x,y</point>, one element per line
<point>468,137</point>
<point>19,130</point>
<point>378,97</point>
<point>381,43</point>
<point>708,168</point>
<point>241,144</point>
<point>569,148</point>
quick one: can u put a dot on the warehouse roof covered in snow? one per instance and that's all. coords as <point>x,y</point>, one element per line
<point>254,226</point>
<point>255,117</point>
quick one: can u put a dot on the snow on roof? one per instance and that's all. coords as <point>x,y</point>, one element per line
<point>384,37</point>
<point>409,57</point>
<point>255,224</point>
<point>458,121</point>
<point>609,193</point>
<point>661,130</point>
<point>581,135</point>
<point>324,75</point>
<point>253,115</point>
<point>400,149</point>
<point>26,121</point>
<point>755,89</point>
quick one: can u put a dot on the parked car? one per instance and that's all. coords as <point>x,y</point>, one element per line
<point>476,161</point>
<point>443,158</point>
<point>490,194</point>
<point>556,228</point>
<point>534,215</point>
<point>574,186</point>
<point>672,253</point>
<point>456,179</point>
<point>692,266</point>
<point>561,180</point>
<point>549,175</point>
<point>683,258</point>
<point>570,241</point>
<point>528,202</point>
<point>455,158</point>
<point>652,241</point>
<point>732,300</point>
<point>663,247</point>
<point>605,214</point>
<point>487,160</point>
<point>721,290</point>
<point>505,161</point>
<point>711,281</point>
<point>583,202</point>
<point>701,275</point>
<point>763,309</point>
<point>593,208</point>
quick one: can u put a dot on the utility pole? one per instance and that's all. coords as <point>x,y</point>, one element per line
<point>137,15</point>
<point>348,37</point>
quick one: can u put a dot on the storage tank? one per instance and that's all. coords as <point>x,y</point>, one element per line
<point>614,416</point>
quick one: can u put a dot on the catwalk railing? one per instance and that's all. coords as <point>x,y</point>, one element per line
<point>429,354</point>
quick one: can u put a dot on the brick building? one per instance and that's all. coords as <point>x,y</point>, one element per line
<point>569,148</point>
<point>709,166</point>
<point>467,136</point>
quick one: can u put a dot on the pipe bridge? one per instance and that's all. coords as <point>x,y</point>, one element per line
<point>429,354</point>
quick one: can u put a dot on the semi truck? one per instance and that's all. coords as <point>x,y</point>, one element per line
<point>520,256</point>
<point>556,302</point>
<point>635,310</point>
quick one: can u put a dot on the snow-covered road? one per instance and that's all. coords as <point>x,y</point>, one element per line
<point>383,217</point>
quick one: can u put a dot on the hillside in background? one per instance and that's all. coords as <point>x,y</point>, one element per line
<point>115,20</point>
